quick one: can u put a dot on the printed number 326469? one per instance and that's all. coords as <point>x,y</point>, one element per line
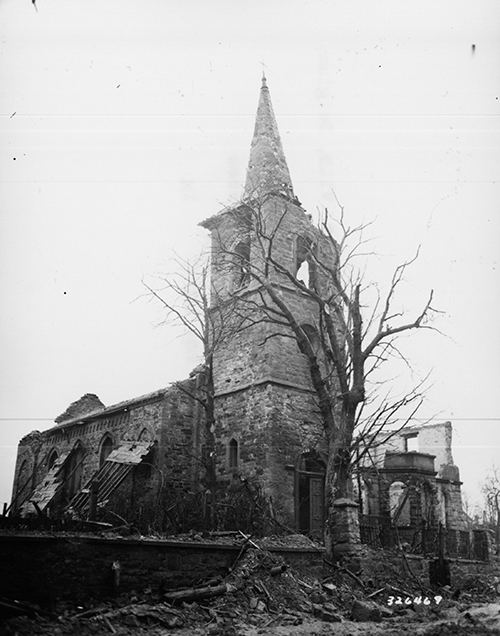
<point>415,600</point>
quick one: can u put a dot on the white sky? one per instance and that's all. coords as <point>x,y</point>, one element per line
<point>133,122</point>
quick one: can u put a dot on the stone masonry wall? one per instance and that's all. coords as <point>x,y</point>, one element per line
<point>434,439</point>
<point>49,568</point>
<point>44,569</point>
<point>278,216</point>
<point>422,495</point>
<point>264,397</point>
<point>258,352</point>
<point>273,426</point>
<point>169,417</point>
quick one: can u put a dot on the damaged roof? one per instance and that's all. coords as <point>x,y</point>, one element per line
<point>130,452</point>
<point>119,406</point>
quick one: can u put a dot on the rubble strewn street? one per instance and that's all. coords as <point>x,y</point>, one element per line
<point>262,594</point>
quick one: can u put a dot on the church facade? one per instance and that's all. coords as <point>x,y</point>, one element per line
<point>149,450</point>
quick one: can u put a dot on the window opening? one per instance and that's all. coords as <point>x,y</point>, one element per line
<point>313,337</point>
<point>145,436</point>
<point>242,264</point>
<point>74,471</point>
<point>304,263</point>
<point>411,443</point>
<point>52,459</point>
<point>106,448</point>
<point>399,504</point>
<point>233,454</point>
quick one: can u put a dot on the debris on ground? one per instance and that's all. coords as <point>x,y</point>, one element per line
<point>262,594</point>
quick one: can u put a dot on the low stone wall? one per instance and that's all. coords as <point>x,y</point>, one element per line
<point>44,569</point>
<point>381,566</point>
<point>47,568</point>
<point>461,569</point>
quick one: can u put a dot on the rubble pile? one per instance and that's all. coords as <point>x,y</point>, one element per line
<point>261,594</point>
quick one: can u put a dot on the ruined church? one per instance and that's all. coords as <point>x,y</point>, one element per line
<point>144,455</point>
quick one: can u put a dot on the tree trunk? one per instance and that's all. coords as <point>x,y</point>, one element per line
<point>342,525</point>
<point>209,458</point>
<point>497,529</point>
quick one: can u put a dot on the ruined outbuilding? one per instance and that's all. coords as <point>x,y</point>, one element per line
<point>143,457</point>
<point>411,479</point>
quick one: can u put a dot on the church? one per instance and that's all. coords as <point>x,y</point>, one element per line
<point>143,459</point>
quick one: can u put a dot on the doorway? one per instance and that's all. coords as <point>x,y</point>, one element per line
<point>310,495</point>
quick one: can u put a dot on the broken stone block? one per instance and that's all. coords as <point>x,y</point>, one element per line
<point>331,617</point>
<point>317,610</point>
<point>317,597</point>
<point>326,612</point>
<point>253,602</point>
<point>365,611</point>
<point>385,612</point>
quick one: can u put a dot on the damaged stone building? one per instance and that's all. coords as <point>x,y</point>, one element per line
<point>136,455</point>
<point>412,478</point>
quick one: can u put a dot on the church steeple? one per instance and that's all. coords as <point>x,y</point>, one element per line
<point>267,169</point>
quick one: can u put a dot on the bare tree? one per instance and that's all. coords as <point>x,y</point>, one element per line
<point>491,492</point>
<point>190,304</point>
<point>351,340</point>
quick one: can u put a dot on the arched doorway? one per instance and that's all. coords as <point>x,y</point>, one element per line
<point>310,494</point>
<point>399,503</point>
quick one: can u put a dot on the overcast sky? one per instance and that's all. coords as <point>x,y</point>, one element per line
<point>124,124</point>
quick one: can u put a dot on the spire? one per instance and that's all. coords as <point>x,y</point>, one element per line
<point>267,170</point>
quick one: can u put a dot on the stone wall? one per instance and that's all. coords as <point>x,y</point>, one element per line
<point>47,568</point>
<point>380,564</point>
<point>432,440</point>
<point>44,569</point>
<point>233,226</point>
<point>273,426</point>
<point>168,416</point>
<point>422,494</point>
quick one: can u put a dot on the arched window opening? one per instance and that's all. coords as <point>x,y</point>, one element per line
<point>313,337</point>
<point>52,459</point>
<point>242,264</point>
<point>303,274</point>
<point>233,454</point>
<point>106,448</point>
<point>428,499</point>
<point>305,269</point>
<point>399,504</point>
<point>311,462</point>
<point>441,507</point>
<point>364,498</point>
<point>23,475</point>
<point>74,471</point>
<point>145,435</point>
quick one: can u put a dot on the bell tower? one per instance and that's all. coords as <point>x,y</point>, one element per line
<point>267,425</point>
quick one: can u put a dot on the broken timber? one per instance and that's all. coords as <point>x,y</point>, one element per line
<point>195,593</point>
<point>112,473</point>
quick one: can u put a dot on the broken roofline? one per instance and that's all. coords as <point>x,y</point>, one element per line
<point>114,408</point>
<point>247,205</point>
<point>411,429</point>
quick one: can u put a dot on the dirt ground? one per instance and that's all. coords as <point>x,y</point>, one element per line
<point>477,620</point>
